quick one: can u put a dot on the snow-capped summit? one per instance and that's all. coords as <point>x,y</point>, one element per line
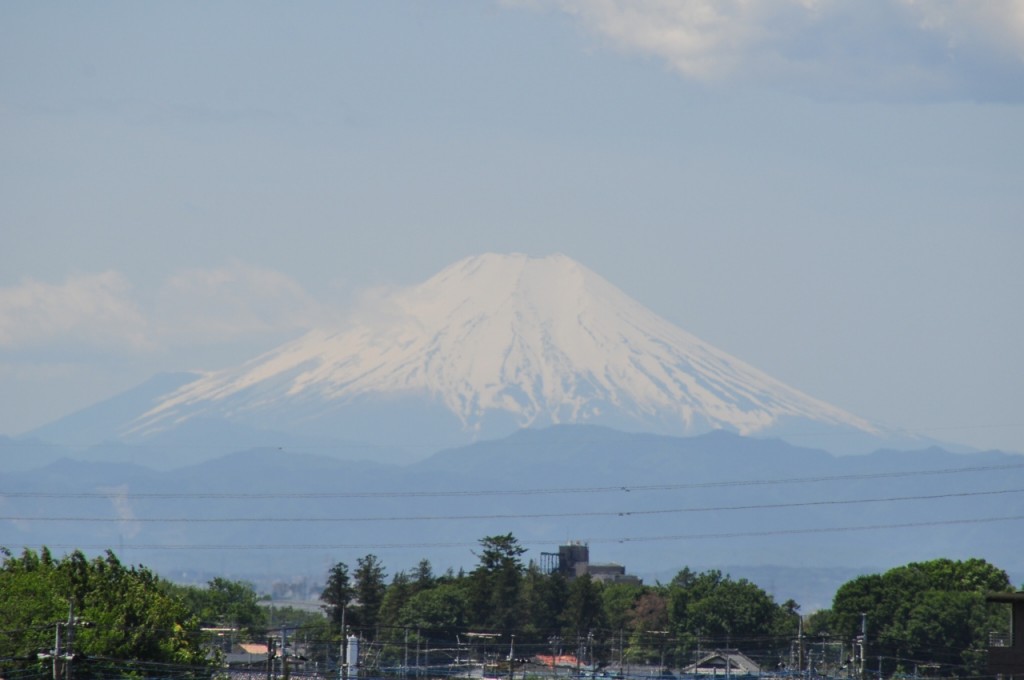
<point>490,344</point>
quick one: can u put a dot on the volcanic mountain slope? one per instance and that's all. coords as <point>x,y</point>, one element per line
<point>491,344</point>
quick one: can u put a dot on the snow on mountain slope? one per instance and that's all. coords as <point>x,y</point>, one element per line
<point>542,340</point>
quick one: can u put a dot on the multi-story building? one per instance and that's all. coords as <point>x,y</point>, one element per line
<point>573,560</point>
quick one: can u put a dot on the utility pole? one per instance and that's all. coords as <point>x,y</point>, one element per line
<point>270,658</point>
<point>863,642</point>
<point>284,653</point>
<point>342,666</point>
<point>800,644</point>
<point>69,635</point>
<point>823,650</point>
<point>512,658</point>
<point>621,650</point>
<point>57,652</point>
<point>63,644</point>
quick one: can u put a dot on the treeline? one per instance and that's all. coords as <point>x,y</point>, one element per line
<point>503,596</point>
<point>97,616</point>
<point>932,613</point>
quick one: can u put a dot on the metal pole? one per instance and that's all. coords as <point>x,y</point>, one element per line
<point>863,642</point>
<point>512,658</point>
<point>284,653</point>
<point>69,635</point>
<point>343,670</point>
<point>579,653</point>
<point>57,652</point>
<point>270,658</point>
<point>800,644</point>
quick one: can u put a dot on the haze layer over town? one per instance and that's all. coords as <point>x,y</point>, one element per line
<point>820,199</point>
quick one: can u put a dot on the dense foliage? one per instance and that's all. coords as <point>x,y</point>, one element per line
<point>924,616</point>
<point>598,623</point>
<point>932,612</point>
<point>224,604</point>
<point>106,616</point>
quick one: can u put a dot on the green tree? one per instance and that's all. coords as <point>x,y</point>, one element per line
<point>818,623</point>
<point>545,597</point>
<point>423,576</point>
<point>131,616</point>
<point>440,611</point>
<point>583,617</point>
<point>224,602</point>
<point>395,597</point>
<point>948,624</point>
<point>369,590</point>
<point>618,600</point>
<point>726,612</point>
<point>933,611</point>
<point>336,596</point>
<point>584,607</point>
<point>648,623</point>
<point>495,584</point>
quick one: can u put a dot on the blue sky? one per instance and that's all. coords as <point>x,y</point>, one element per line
<point>830,190</point>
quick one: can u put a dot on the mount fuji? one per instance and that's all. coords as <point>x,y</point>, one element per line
<point>491,344</point>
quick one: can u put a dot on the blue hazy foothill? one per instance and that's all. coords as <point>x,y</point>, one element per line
<point>802,518</point>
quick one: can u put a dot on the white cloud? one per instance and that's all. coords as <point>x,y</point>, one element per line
<point>198,307</point>
<point>973,24</point>
<point>846,47</point>
<point>699,38</point>
<point>208,306</point>
<point>95,310</point>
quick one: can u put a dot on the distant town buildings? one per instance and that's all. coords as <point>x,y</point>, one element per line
<point>573,560</point>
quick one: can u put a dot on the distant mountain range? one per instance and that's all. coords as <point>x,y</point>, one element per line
<point>801,521</point>
<point>491,344</point>
<point>505,394</point>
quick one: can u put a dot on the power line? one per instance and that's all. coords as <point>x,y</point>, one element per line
<point>461,544</point>
<point>539,515</point>
<point>627,488</point>
<point>823,530</point>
